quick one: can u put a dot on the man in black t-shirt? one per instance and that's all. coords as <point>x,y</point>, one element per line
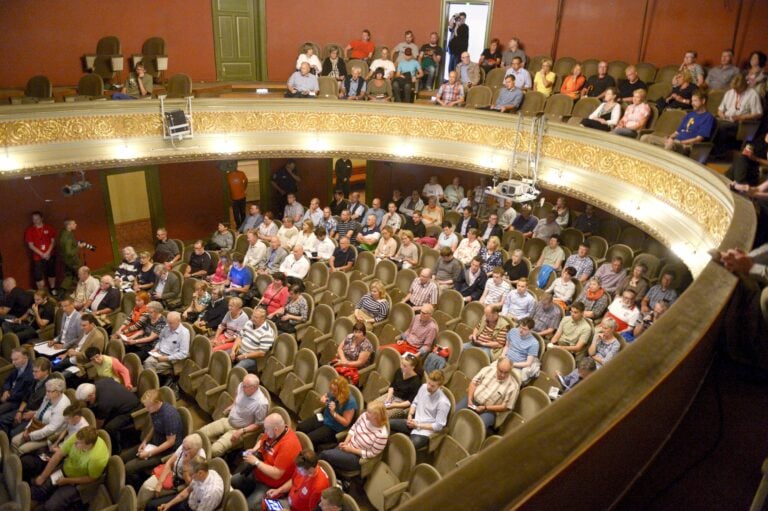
<point>597,84</point>
<point>112,405</point>
<point>343,257</point>
<point>16,301</point>
<point>628,87</point>
<point>430,56</point>
<point>40,314</point>
<point>284,181</point>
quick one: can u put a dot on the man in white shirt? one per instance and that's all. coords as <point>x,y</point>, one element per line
<point>172,346</point>
<point>432,189</point>
<point>522,76</point>
<point>384,63</point>
<point>288,234</point>
<point>293,210</point>
<point>205,490</point>
<point>453,194</point>
<point>519,304</point>
<point>325,246</point>
<point>314,213</point>
<point>254,256</point>
<point>295,266</point>
<point>508,216</point>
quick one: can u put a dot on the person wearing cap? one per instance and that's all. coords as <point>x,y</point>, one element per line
<point>408,71</point>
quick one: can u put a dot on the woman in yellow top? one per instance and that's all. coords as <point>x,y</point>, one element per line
<point>545,78</point>
<point>432,214</point>
<point>573,83</point>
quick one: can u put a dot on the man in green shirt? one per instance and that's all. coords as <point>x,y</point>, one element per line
<point>139,85</point>
<point>85,457</point>
<point>69,252</point>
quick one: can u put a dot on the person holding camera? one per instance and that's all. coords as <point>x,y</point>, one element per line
<point>69,253</point>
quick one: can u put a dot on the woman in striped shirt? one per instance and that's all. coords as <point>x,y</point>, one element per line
<point>373,306</point>
<point>367,439</point>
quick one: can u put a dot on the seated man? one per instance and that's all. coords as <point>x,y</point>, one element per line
<point>200,262</point>
<point>525,222</point>
<point>696,126</point>
<point>587,222</point>
<point>510,98</point>
<point>272,458</point>
<point>112,405</point>
<point>346,227</point>
<point>172,346</point>
<point>253,341</point>
<point>87,284</point>
<point>520,303</point>
<point>205,490</point>
<point>646,321</point>
<point>411,204</point>
<point>451,93</point>
<point>740,104</point>
<point>167,288</point>
<point>327,222</point>
<point>293,209</point>
<point>305,488</point>
<point>302,83</point>
<point>313,213</point>
<point>369,235</point>
<point>471,281</point>
<point>719,77</point>
<point>161,439</point>
<point>343,257</point>
<point>492,229</point>
<point>273,258</point>
<point>339,203</point>
<point>92,337</point>
<point>490,334</point>
<point>376,211</point>
<point>325,246</point>
<point>10,415</point>
<point>428,413</point>
<point>288,234</point>
<point>256,252</point>
<point>546,316</point>
<point>85,458</point>
<point>547,227</point>
<point>628,87</point>
<point>515,267</point>
<point>522,76</point>
<point>360,49</point>
<point>573,333</point>
<point>245,415</point>
<point>430,56</point>
<point>415,225</point>
<point>252,220</point>
<point>406,76</point>
<point>15,302</point>
<point>40,314</point>
<point>221,239</point>
<point>353,86</point>
<point>295,266</point>
<point>596,85</point>
<point>492,393</point>
<point>423,291</point>
<point>661,291</point>
<point>139,85</point>
<point>552,255</point>
<point>18,383</point>
<point>581,262</point>
<point>508,215</point>
<point>623,311</point>
<point>584,368</point>
<point>357,208</point>
<point>166,250</point>
<point>611,274</point>
<point>392,218</point>
<point>468,71</point>
<point>522,349</point>
<point>105,300</point>
<point>420,335</point>
<point>448,269</point>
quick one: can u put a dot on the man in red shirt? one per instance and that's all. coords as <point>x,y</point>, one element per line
<point>306,487</point>
<point>40,239</point>
<point>273,460</point>
<point>361,48</point>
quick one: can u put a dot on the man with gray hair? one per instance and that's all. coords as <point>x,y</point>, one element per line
<point>172,346</point>
<point>204,493</point>
<point>245,415</point>
<point>302,83</point>
<point>112,405</point>
<point>353,87</point>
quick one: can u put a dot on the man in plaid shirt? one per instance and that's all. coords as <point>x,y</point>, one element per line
<point>451,93</point>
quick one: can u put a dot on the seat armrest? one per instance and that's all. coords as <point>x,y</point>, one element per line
<point>215,390</point>
<point>392,494</point>
<point>303,388</point>
<point>282,372</point>
<point>198,373</point>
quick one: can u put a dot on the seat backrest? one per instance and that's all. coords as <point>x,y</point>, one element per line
<point>533,103</point>
<point>349,503</point>
<point>147,380</point>
<point>616,69</point>
<point>200,351</point>
<point>619,249</point>
<point>39,87</point>
<point>471,314</point>
<point>365,262</point>
<point>557,360</point>
<point>571,238</point>
<point>495,78</point>
<point>338,283</point>
<point>179,86</point>
<point>658,91</point>
<point>451,302</point>
<point>236,376</point>
<point>651,262</point>
<point>262,281</point>
<point>331,46</point>
<point>646,71</point>
<point>328,469</point>
<point>584,107</point>
<point>318,274</point>
<point>668,122</point>
<point>633,237</point>
<point>221,468</point>
<point>323,378</point>
<point>468,429</point>
<point>400,456</point>
<point>479,96</point>
<point>564,65</point>
<point>452,340</point>
<point>401,316</point>
<point>714,98</point>
<point>329,87</point>
<point>424,476</point>
<point>305,365</point>
<point>386,271</point>
<point>323,318</point>
<point>115,477</point>
<point>448,455</point>
<point>666,73</point>
<point>153,46</point>
<point>356,291</point>
<point>472,360</point>
<point>387,363</point>
<point>558,105</point>
<point>531,401</point>
<point>363,65</point>
<point>404,279</point>
<point>90,85</point>
<point>598,246</point>
<point>236,501</point>
<point>220,366</point>
<point>533,248</point>
<point>589,67</point>
<point>108,45</point>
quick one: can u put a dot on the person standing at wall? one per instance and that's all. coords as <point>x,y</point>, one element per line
<point>343,169</point>
<point>238,185</point>
<point>459,42</point>
<point>41,239</point>
<point>69,254</point>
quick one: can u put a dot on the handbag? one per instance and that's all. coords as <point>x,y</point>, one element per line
<point>34,425</point>
<point>168,482</point>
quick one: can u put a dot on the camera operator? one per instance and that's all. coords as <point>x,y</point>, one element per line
<point>69,252</point>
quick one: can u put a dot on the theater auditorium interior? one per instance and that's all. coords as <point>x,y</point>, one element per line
<point>251,187</point>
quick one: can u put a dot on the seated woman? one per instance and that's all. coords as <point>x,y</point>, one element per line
<point>47,421</point>
<point>294,312</point>
<point>367,439</point>
<point>231,326</point>
<point>373,306</point>
<point>379,88</point>
<point>307,238</point>
<point>125,274</point>
<point>605,344</point>
<point>432,214</point>
<point>468,248</point>
<point>239,279</point>
<point>171,477</point>
<point>447,237</point>
<point>334,66</point>
<point>338,411</point>
<point>145,279</point>
<point>545,78</point>
<point>681,95</point>
<point>201,299</point>
<point>491,255</point>
<point>387,247</point>
<point>491,57</point>
<point>222,238</point>
<point>404,387</point>
<point>635,281</point>
<point>219,276</point>
<point>354,353</point>
<point>275,295</point>
<point>595,299</point>
<point>213,314</point>
<point>635,116</point>
<point>607,115</point>
<point>408,254</point>
<point>310,58</point>
<point>146,331</point>
<point>109,367</point>
<point>563,288</point>
<point>755,74</point>
<point>573,83</point>
<point>139,310</point>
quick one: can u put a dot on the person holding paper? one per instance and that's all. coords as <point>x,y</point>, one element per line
<point>85,458</point>
<point>48,419</point>
<point>172,346</point>
<point>302,492</point>
<point>72,361</point>
<point>492,393</point>
<point>162,438</point>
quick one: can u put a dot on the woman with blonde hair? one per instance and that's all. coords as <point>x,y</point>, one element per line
<point>405,385</point>
<point>373,306</point>
<point>354,353</point>
<point>544,80</point>
<point>126,273</point>
<point>145,279</point>
<point>491,255</point>
<point>682,93</point>
<point>408,254</point>
<point>367,439</point>
<point>307,238</point>
<point>573,83</point>
<point>338,411</point>
<point>170,477</point>
<point>387,246</point>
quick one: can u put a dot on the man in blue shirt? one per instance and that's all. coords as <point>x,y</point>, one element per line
<point>522,76</point>
<point>302,84</point>
<point>240,277</point>
<point>408,71</point>
<point>522,350</point>
<point>510,98</point>
<point>695,127</point>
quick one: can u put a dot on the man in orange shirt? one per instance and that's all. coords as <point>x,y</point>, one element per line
<point>238,183</point>
<point>361,48</point>
<point>306,487</point>
<point>273,461</point>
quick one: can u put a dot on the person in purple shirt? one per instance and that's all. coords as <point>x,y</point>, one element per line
<point>695,127</point>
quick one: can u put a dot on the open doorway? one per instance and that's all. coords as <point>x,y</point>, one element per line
<point>129,210</point>
<point>476,16</point>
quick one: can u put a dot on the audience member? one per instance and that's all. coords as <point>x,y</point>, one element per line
<point>546,316</point>
<point>587,222</point>
<point>605,344</point>
<point>139,84</point>
<point>516,267</point>
<point>354,353</point>
<point>596,85</point>
<point>610,274</point>
<point>252,220</point>
<point>510,98</point>
<point>166,250</point>
<point>696,71</point>
<point>254,341</point>
<point>607,115</point>
<point>172,346</point>
<point>574,331</point>
<point>343,257</point>
<point>594,298</point>
<point>334,66</point>
<point>661,291</point>
<point>423,291</point>
<point>428,413</point>
<point>384,62</point>
<point>635,117</point>
<point>205,490</point>
<point>379,87</point>
<point>490,334</point>
<point>682,92</point>
<point>525,222</point>
<point>513,50</point>
<point>430,58</point>
<point>360,49</point>
<point>522,349</point>
<point>581,262</point>
<point>520,303</point>
<point>633,82</point>
<point>468,71</point>
<point>87,284</point>
<point>373,307</point>
<point>523,79</point>
<point>420,335</point>
<point>40,314</point>
<point>302,83</point>
<point>174,474</point>
<point>305,488</point>
<point>635,281</point>
<point>339,407</point>
<point>404,387</point>
<point>47,421</point>
<point>623,311</point>
<point>367,439</point>
<point>491,56</point>
<point>109,367</point>
<point>492,393</point>
<point>544,80</point>
<point>496,288</point>
<point>451,93</point>
<point>309,57</point>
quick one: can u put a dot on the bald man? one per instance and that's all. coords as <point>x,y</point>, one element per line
<point>172,346</point>
<point>492,393</point>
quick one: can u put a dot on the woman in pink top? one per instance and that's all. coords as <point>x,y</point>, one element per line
<point>635,116</point>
